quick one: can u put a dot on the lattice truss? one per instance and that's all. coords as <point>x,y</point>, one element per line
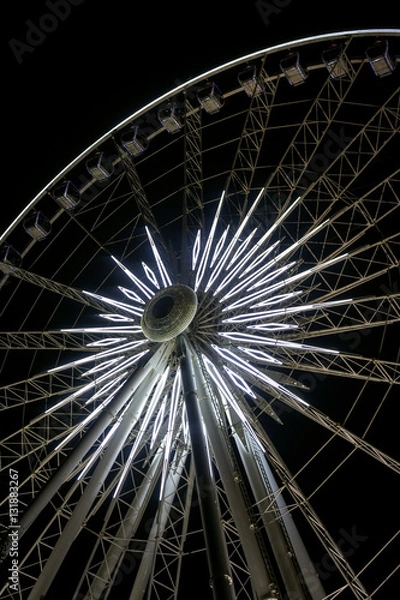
<point>280,209</point>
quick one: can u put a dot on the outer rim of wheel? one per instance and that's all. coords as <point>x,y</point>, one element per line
<point>207,74</point>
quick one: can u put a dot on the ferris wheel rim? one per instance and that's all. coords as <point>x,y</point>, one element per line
<point>180,88</point>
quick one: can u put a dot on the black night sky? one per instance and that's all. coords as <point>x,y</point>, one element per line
<point>73,69</point>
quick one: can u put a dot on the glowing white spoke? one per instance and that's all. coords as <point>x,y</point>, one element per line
<point>272,276</point>
<point>116,318</point>
<point>241,271</point>
<point>103,444</point>
<point>257,339</point>
<point>158,422</point>
<point>160,264</point>
<point>206,252</point>
<point>236,272</point>
<point>290,280</point>
<point>131,295</point>
<point>80,426</point>
<point>227,396</point>
<point>219,246</point>
<point>243,286</point>
<point>261,256</point>
<point>115,303</point>
<point>259,355</point>
<point>241,248</point>
<point>196,249</point>
<point>245,367</point>
<point>151,276</point>
<point>171,429</point>
<point>227,253</point>
<point>100,355</point>
<point>239,382</point>
<point>273,327</point>
<point>106,364</point>
<point>305,307</point>
<point>106,342</point>
<point>146,291</point>
<point>128,329</point>
<point>159,388</point>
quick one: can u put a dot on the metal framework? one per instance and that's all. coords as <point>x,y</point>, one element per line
<point>250,452</point>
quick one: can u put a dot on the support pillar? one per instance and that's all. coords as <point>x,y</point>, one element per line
<point>217,553</point>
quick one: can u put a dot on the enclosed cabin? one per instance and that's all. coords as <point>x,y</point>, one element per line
<point>335,61</point>
<point>292,69</point>
<point>67,195</point>
<point>100,166</point>
<point>37,226</point>
<point>170,117</point>
<point>210,98</point>
<point>9,259</point>
<point>380,59</point>
<point>134,141</point>
<point>248,81</point>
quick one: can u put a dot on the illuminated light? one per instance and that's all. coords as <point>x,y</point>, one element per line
<point>158,422</point>
<point>92,357</point>
<point>78,428</point>
<point>242,248</point>
<point>116,318</point>
<point>160,264</point>
<point>259,355</point>
<point>106,342</point>
<point>272,276</point>
<point>102,366</point>
<point>256,339</point>
<point>239,382</point>
<point>279,299</point>
<point>227,395</point>
<point>116,382</point>
<point>273,327</point>
<point>236,237</point>
<point>244,366</point>
<point>305,307</point>
<point>146,291</point>
<point>207,249</point>
<point>129,329</point>
<point>249,298</point>
<point>159,387</point>
<point>219,246</point>
<point>115,303</point>
<point>232,273</point>
<point>251,276</point>
<point>150,275</point>
<point>171,431</point>
<point>260,258</point>
<point>196,249</point>
<point>131,295</point>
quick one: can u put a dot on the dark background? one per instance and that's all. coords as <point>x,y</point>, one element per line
<point>68,80</point>
<point>66,86</point>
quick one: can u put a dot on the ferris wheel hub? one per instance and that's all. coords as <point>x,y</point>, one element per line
<point>169,313</point>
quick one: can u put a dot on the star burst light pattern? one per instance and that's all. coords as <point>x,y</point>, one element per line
<point>248,300</point>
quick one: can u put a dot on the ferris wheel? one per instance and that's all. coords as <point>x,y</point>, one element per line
<point>199,342</point>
